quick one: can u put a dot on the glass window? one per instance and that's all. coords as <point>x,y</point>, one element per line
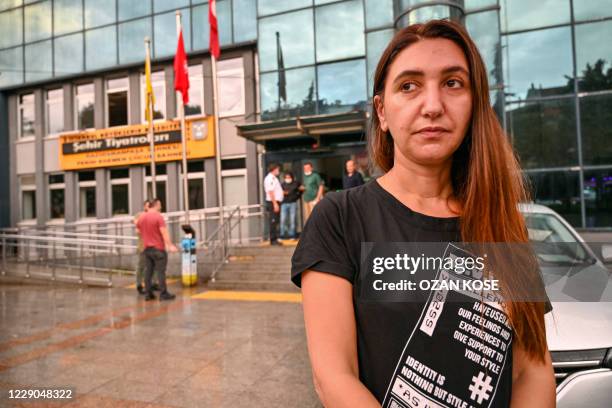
<point>160,186</point>
<point>37,21</point>
<point>297,46</point>
<point>592,9</point>
<point>56,196</point>
<point>595,119</point>
<point>559,191</point>
<point>201,28</point>
<point>195,185</point>
<point>38,61</point>
<point>99,13</point>
<point>26,115</point>
<point>378,13</point>
<point>7,4</point>
<point>539,63</point>
<point>165,33</point>
<point>158,82</point>
<point>133,8</point>
<point>317,2</point>
<point>342,22</point>
<point>245,20</point>
<point>265,7</point>
<point>131,40</point>
<point>9,36</point>
<point>67,16</point>
<point>117,91</point>
<point>87,176</point>
<point>196,92</point>
<point>524,14</point>
<point>120,191</point>
<point>342,86</point>
<point>593,56</point>
<point>84,103</point>
<point>11,66</point>
<point>68,54</point>
<point>423,14</point>
<point>28,204</point>
<point>224,17</point>
<point>300,91</point>
<point>230,75</point>
<point>484,29</point>
<point>376,43</point>
<point>55,111</point>
<point>544,133</point>
<point>598,198</point>
<point>165,5</point>
<point>87,201</point>
<point>476,4</point>
<point>100,48</point>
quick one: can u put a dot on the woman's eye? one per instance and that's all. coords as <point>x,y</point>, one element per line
<point>408,86</point>
<point>453,83</point>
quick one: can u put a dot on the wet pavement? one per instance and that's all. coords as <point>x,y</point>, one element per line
<point>113,349</point>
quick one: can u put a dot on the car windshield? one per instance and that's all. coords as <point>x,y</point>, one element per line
<point>553,241</point>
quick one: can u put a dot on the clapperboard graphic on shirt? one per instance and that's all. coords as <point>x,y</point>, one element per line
<point>455,328</point>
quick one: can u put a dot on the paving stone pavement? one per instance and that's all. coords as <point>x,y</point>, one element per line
<point>113,349</point>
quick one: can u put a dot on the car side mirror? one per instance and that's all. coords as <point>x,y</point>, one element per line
<point>606,253</point>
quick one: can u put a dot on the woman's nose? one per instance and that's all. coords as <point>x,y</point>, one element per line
<point>432,105</point>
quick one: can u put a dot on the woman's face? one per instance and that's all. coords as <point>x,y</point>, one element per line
<point>427,102</point>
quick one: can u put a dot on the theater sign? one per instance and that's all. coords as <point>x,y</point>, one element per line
<point>128,145</point>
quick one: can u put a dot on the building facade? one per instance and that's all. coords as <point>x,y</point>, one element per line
<point>295,81</point>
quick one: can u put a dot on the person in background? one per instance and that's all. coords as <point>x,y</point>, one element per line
<point>313,190</point>
<point>156,241</point>
<point>352,178</point>
<point>292,193</point>
<point>274,196</point>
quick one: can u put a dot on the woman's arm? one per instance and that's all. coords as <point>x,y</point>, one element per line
<point>332,341</point>
<point>533,382</point>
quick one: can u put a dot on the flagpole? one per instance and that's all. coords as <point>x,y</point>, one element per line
<point>217,142</point>
<point>150,108</point>
<point>183,137</point>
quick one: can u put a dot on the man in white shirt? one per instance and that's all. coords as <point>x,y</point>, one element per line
<point>274,196</point>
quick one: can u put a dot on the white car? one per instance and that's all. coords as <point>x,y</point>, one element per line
<point>579,329</point>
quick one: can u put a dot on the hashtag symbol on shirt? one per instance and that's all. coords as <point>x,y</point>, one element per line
<point>480,389</point>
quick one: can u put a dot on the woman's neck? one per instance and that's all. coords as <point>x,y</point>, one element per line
<point>424,189</point>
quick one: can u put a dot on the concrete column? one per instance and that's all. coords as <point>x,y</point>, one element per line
<point>71,192</point>
<point>15,211</point>
<point>170,94</point>
<point>250,94</point>
<point>134,102</point>
<point>102,194</point>
<point>5,178</point>
<point>42,202</point>
<point>99,102</point>
<point>211,183</point>
<point>173,187</point>
<point>137,174</point>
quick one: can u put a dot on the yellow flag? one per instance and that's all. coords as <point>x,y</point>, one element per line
<point>149,96</point>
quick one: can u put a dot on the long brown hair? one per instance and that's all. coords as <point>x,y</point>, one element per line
<point>485,173</point>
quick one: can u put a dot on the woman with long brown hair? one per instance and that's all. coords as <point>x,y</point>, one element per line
<point>450,175</point>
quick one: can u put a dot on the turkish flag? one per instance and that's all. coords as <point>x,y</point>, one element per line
<point>181,71</point>
<point>214,29</point>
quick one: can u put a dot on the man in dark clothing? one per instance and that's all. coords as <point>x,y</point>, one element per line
<point>352,178</point>
<point>156,241</point>
<point>274,197</point>
<point>292,193</point>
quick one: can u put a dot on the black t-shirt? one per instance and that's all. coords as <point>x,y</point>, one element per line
<point>292,190</point>
<point>354,180</point>
<point>401,361</point>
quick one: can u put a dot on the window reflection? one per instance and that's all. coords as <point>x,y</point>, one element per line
<point>595,118</point>
<point>117,101</point>
<point>484,29</point>
<point>524,14</point>
<point>84,103</point>
<point>341,86</point>
<point>11,66</point>
<point>26,115</point>
<point>342,22</point>
<point>544,133</point>
<point>38,61</point>
<point>131,36</point>
<point>8,35</point>
<point>99,13</point>
<point>37,21</point>
<point>265,7</point>
<point>245,20</point>
<point>55,111</point>
<point>164,5</point>
<point>559,191</point>
<point>196,92</point>
<point>594,65</point>
<point>378,13</point>
<point>132,9</point>
<point>158,82</point>
<point>67,16</point>
<point>539,63</point>
<point>231,87</point>
<point>297,45</point>
<point>591,9</point>
<point>376,43</point>
<point>165,33</point>
<point>598,198</point>
<point>476,4</point>
<point>100,48</point>
<point>300,90</point>
<point>68,52</point>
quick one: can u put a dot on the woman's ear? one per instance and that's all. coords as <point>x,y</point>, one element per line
<point>378,104</point>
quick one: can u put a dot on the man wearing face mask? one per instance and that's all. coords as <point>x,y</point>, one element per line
<point>313,190</point>
<point>292,193</point>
